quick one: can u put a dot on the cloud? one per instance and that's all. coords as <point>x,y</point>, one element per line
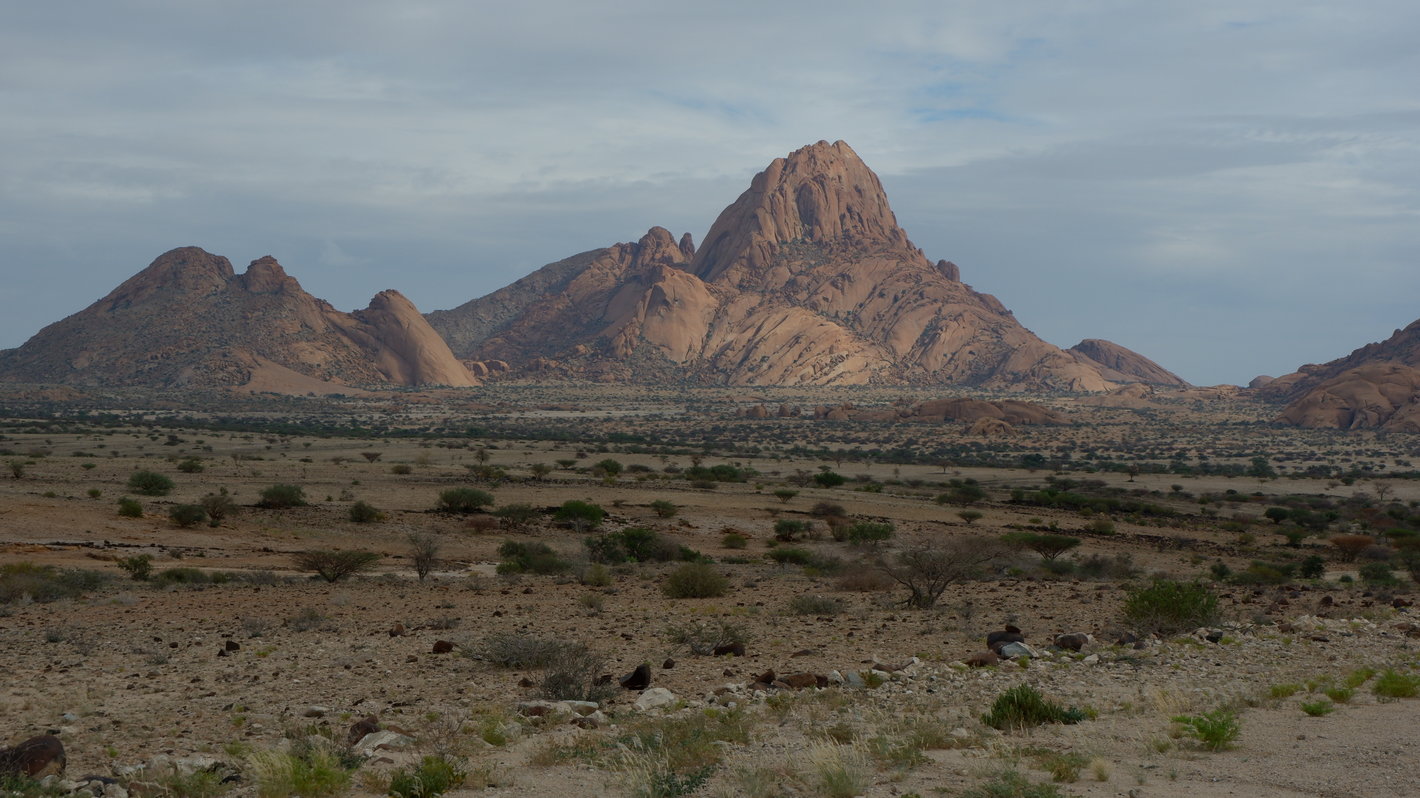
<point>1188,176</point>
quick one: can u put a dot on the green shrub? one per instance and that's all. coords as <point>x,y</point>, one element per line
<point>829,479</point>
<point>815,605</point>
<point>1313,567</point>
<point>514,650</point>
<point>786,530</point>
<point>695,580</point>
<point>401,469</point>
<point>130,508</point>
<point>1023,706</point>
<point>1168,607</point>
<point>1378,573</point>
<point>282,496</point>
<point>869,533</point>
<point>181,576</point>
<point>218,506</point>
<point>45,582</point>
<point>432,777</point>
<point>790,555</point>
<point>191,465</point>
<point>704,636</point>
<point>516,516</point>
<point>785,494</point>
<point>364,513</point>
<point>463,501</point>
<point>315,772</point>
<point>150,483</point>
<point>580,515</point>
<point>1317,709</point>
<point>333,565</point>
<point>734,540</point>
<point>531,557</point>
<point>1048,546</point>
<point>1012,784</point>
<point>1393,684</point>
<point>664,509</point>
<point>139,566</point>
<point>632,544</point>
<point>187,515</point>
<point>967,492</point>
<point>1216,730</point>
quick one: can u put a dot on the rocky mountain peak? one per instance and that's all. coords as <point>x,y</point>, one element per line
<point>265,276</point>
<point>183,270</point>
<point>821,199</point>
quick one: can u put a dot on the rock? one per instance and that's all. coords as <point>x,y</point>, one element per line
<point>1091,659</point>
<point>232,645</point>
<point>1015,650</point>
<point>799,681</point>
<point>983,659</point>
<point>768,677</point>
<point>669,663</point>
<point>397,630</point>
<point>442,647</point>
<point>36,757</point>
<point>638,679</point>
<point>382,741</point>
<point>894,668</point>
<point>316,711</point>
<point>1074,641</point>
<point>730,650</point>
<point>654,698</point>
<point>595,720</point>
<point>994,640</point>
<point>357,731</point>
<point>580,707</point>
<point>854,679</point>
<point>1123,365</point>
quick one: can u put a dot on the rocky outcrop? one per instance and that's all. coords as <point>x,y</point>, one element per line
<point>1374,387</point>
<point>190,320</point>
<point>1124,365</point>
<point>806,279</point>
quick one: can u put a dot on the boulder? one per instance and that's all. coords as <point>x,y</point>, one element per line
<point>1074,641</point>
<point>382,741</point>
<point>638,679</point>
<point>654,698</point>
<point>360,728</point>
<point>36,757</point>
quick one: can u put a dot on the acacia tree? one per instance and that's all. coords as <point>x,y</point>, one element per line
<point>928,569</point>
<point>424,552</point>
<point>333,565</point>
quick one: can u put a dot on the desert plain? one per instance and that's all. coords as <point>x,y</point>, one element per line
<point>229,654</point>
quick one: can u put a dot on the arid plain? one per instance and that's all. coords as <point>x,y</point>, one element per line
<point>230,650</point>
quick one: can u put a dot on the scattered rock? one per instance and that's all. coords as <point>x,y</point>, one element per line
<point>360,728</point>
<point>443,647</point>
<point>1075,641</point>
<point>730,650</point>
<point>232,645</point>
<point>799,681</point>
<point>316,711</point>
<point>638,679</point>
<point>397,630</point>
<point>994,640</point>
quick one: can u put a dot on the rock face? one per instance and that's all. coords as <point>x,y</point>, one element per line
<point>806,279</point>
<point>1376,386</point>
<point>190,320</point>
<point>1124,365</point>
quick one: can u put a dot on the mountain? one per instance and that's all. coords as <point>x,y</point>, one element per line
<point>190,320</point>
<point>806,279</point>
<point>1124,365</point>
<point>1376,386</point>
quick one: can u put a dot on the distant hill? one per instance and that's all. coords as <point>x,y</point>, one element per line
<point>1374,387</point>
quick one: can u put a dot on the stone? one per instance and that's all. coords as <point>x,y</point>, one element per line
<point>983,659</point>
<point>1015,650</point>
<point>799,681</point>
<point>442,647</point>
<point>1075,641</point>
<point>655,698</point>
<point>397,630</point>
<point>232,645</point>
<point>994,640</point>
<point>357,731</point>
<point>36,757</point>
<point>382,741</point>
<point>316,711</point>
<point>638,679</point>
<point>730,650</point>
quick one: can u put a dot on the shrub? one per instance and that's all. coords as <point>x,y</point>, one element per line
<point>815,605</point>
<point>1023,706</point>
<point>516,516</point>
<point>962,493</point>
<point>187,515</point>
<point>513,650</point>
<point>829,479</point>
<point>362,512</point>
<point>1317,709</point>
<point>695,580</point>
<point>191,465</point>
<point>432,777</point>
<point>537,558</point>
<point>664,509</point>
<point>608,467</point>
<point>185,576</point>
<point>218,506</point>
<point>463,501</point>
<point>423,553</point>
<point>632,544</point>
<point>44,582</point>
<point>1011,784</point>
<point>130,508</point>
<point>1378,573</point>
<point>334,565</point>
<point>786,530</point>
<point>970,516</point>
<point>790,555</point>
<point>734,540</point>
<point>928,569</point>
<point>139,567</point>
<point>1313,567</point>
<point>785,494</point>
<point>573,673</point>
<point>580,515</point>
<point>1216,730</point>
<point>867,533</point>
<point>282,496</point>
<point>704,636</point>
<point>402,469</point>
<point>1168,607</point>
<point>864,580</point>
<point>1349,547</point>
<point>1393,684</point>
<point>1048,546</point>
<point>150,483</point>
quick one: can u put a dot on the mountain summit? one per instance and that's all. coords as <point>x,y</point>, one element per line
<point>806,279</point>
<point>190,320</point>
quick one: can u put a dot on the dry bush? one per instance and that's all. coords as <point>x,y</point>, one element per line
<point>864,580</point>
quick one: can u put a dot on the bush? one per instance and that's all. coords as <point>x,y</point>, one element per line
<point>734,540</point>
<point>962,493</point>
<point>185,576</point>
<point>139,567</point>
<point>664,509</point>
<point>218,506</point>
<point>829,479</point>
<point>790,555</point>
<point>335,565</point>
<point>282,496</point>
<point>130,508</point>
<point>1349,547</point>
<point>516,516</point>
<point>432,777</point>
<point>785,494</point>
<point>1168,607</point>
<point>1048,546</point>
<point>867,533</point>
<point>364,513</point>
<point>187,515</point>
<point>1012,784</point>
<point>928,569</point>
<point>786,530</point>
<point>191,465</point>
<point>704,636</point>
<point>423,553</point>
<point>44,582</point>
<point>1378,573</point>
<point>1313,567</point>
<point>632,544</point>
<point>695,580</point>
<point>1216,730</point>
<point>516,651</point>
<point>815,605</point>
<point>150,483</point>
<point>574,674</point>
<point>1393,684</point>
<point>314,772</point>
<point>580,515</point>
<point>1023,706</point>
<point>463,501</point>
<point>537,558</point>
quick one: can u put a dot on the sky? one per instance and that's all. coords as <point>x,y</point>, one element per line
<point>1229,188</point>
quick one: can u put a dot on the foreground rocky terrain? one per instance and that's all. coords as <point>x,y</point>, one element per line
<point>230,651</point>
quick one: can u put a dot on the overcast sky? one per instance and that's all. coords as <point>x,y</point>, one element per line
<point>1228,188</point>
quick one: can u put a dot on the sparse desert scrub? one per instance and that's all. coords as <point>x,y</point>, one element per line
<point>695,580</point>
<point>704,636</point>
<point>362,512</point>
<point>462,501</point>
<point>432,777</point>
<point>21,581</point>
<point>1214,731</point>
<point>314,772</point>
<point>1394,684</point>
<point>530,557</point>
<point>1168,607</point>
<point>333,565</point>
<point>928,569</point>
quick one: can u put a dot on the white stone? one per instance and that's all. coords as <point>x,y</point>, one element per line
<point>375,741</point>
<point>655,697</point>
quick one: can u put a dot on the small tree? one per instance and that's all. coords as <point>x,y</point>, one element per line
<point>695,580</point>
<point>424,552</point>
<point>608,468</point>
<point>1277,514</point>
<point>539,470</point>
<point>829,479</point>
<point>1351,546</point>
<point>463,501</point>
<point>970,516</point>
<point>785,494</point>
<point>664,509</point>
<point>187,515</point>
<point>516,516</point>
<point>130,508</point>
<point>282,496</point>
<point>1168,607</point>
<point>218,506</point>
<point>869,533</point>
<point>17,469</point>
<point>335,565</point>
<point>580,515</point>
<point>786,530</point>
<point>927,570</point>
<point>362,512</point>
<point>150,483</point>
<point>191,465</point>
<point>1048,546</point>
<point>371,457</point>
<point>139,566</point>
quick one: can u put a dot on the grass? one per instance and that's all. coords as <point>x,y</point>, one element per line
<point>838,771</point>
<point>1168,607</point>
<point>1012,784</point>
<point>1317,709</point>
<point>1023,706</point>
<point>432,777</point>
<point>1394,684</point>
<point>1339,695</point>
<point>1280,691</point>
<point>1215,731</point>
<point>513,650</point>
<point>314,773</point>
<point>695,580</point>
<point>21,581</point>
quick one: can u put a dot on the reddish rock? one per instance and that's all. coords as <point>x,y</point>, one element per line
<point>36,757</point>
<point>443,647</point>
<point>368,725</point>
